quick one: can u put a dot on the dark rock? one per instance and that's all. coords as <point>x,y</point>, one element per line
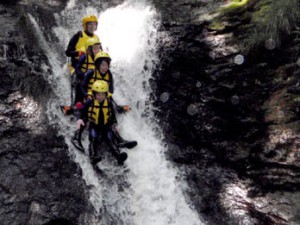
<point>248,122</point>
<point>38,181</point>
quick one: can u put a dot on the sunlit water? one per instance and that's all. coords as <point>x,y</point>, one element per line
<point>144,191</point>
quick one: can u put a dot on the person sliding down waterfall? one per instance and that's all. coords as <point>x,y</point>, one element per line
<point>76,46</point>
<point>100,111</point>
<point>85,63</point>
<point>101,72</point>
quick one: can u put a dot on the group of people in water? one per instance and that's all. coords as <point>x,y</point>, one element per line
<point>93,104</point>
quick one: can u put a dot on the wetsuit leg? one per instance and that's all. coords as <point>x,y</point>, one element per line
<point>93,138</point>
<point>120,142</point>
<point>79,96</point>
<point>76,139</point>
<point>112,142</point>
<point>74,62</point>
<point>116,135</point>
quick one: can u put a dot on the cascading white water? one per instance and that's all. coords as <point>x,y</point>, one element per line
<point>129,33</point>
<point>144,191</point>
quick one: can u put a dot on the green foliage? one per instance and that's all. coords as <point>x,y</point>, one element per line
<point>273,20</point>
<point>235,6</point>
<point>260,20</point>
<point>216,25</point>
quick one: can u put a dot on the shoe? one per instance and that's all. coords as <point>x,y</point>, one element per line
<point>122,157</point>
<point>77,144</point>
<point>96,159</point>
<point>127,144</point>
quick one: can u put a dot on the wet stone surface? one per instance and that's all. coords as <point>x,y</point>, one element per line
<point>38,180</point>
<point>235,136</point>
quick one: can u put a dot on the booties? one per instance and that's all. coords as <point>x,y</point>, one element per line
<point>76,140</point>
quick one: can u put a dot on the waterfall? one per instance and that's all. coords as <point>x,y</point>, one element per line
<point>145,190</point>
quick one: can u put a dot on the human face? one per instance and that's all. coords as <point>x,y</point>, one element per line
<point>91,27</point>
<point>103,67</point>
<point>100,96</point>
<point>96,49</point>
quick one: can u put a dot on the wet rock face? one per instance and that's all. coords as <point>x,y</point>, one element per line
<point>231,116</point>
<point>38,182</point>
<point>187,11</point>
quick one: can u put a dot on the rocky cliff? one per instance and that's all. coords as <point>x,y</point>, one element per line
<point>227,93</point>
<point>39,182</point>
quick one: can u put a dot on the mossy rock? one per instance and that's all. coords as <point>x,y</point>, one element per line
<point>235,7</point>
<point>262,20</point>
<point>216,25</point>
<point>296,99</point>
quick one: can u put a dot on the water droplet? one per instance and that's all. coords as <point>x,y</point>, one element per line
<point>198,84</point>
<point>212,55</point>
<point>192,109</point>
<point>298,62</point>
<point>239,59</point>
<point>164,97</point>
<point>235,99</point>
<point>270,44</point>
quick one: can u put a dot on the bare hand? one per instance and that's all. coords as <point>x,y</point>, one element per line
<point>79,123</point>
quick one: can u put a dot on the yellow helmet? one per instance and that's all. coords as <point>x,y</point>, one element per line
<point>102,55</point>
<point>100,86</point>
<point>91,42</point>
<point>87,19</point>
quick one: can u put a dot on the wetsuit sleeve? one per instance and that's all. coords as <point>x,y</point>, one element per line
<point>84,84</point>
<point>79,73</point>
<point>113,117</point>
<point>111,83</point>
<point>116,107</point>
<point>71,49</point>
<point>83,112</point>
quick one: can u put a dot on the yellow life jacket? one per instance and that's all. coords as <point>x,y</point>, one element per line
<point>94,110</point>
<point>97,76</point>
<point>71,69</point>
<point>88,64</point>
<point>80,46</point>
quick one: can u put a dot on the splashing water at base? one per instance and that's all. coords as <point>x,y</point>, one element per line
<point>145,191</point>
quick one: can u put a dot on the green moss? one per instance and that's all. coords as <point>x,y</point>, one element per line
<point>296,99</point>
<point>273,20</point>
<point>236,6</point>
<point>261,21</point>
<point>216,25</point>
